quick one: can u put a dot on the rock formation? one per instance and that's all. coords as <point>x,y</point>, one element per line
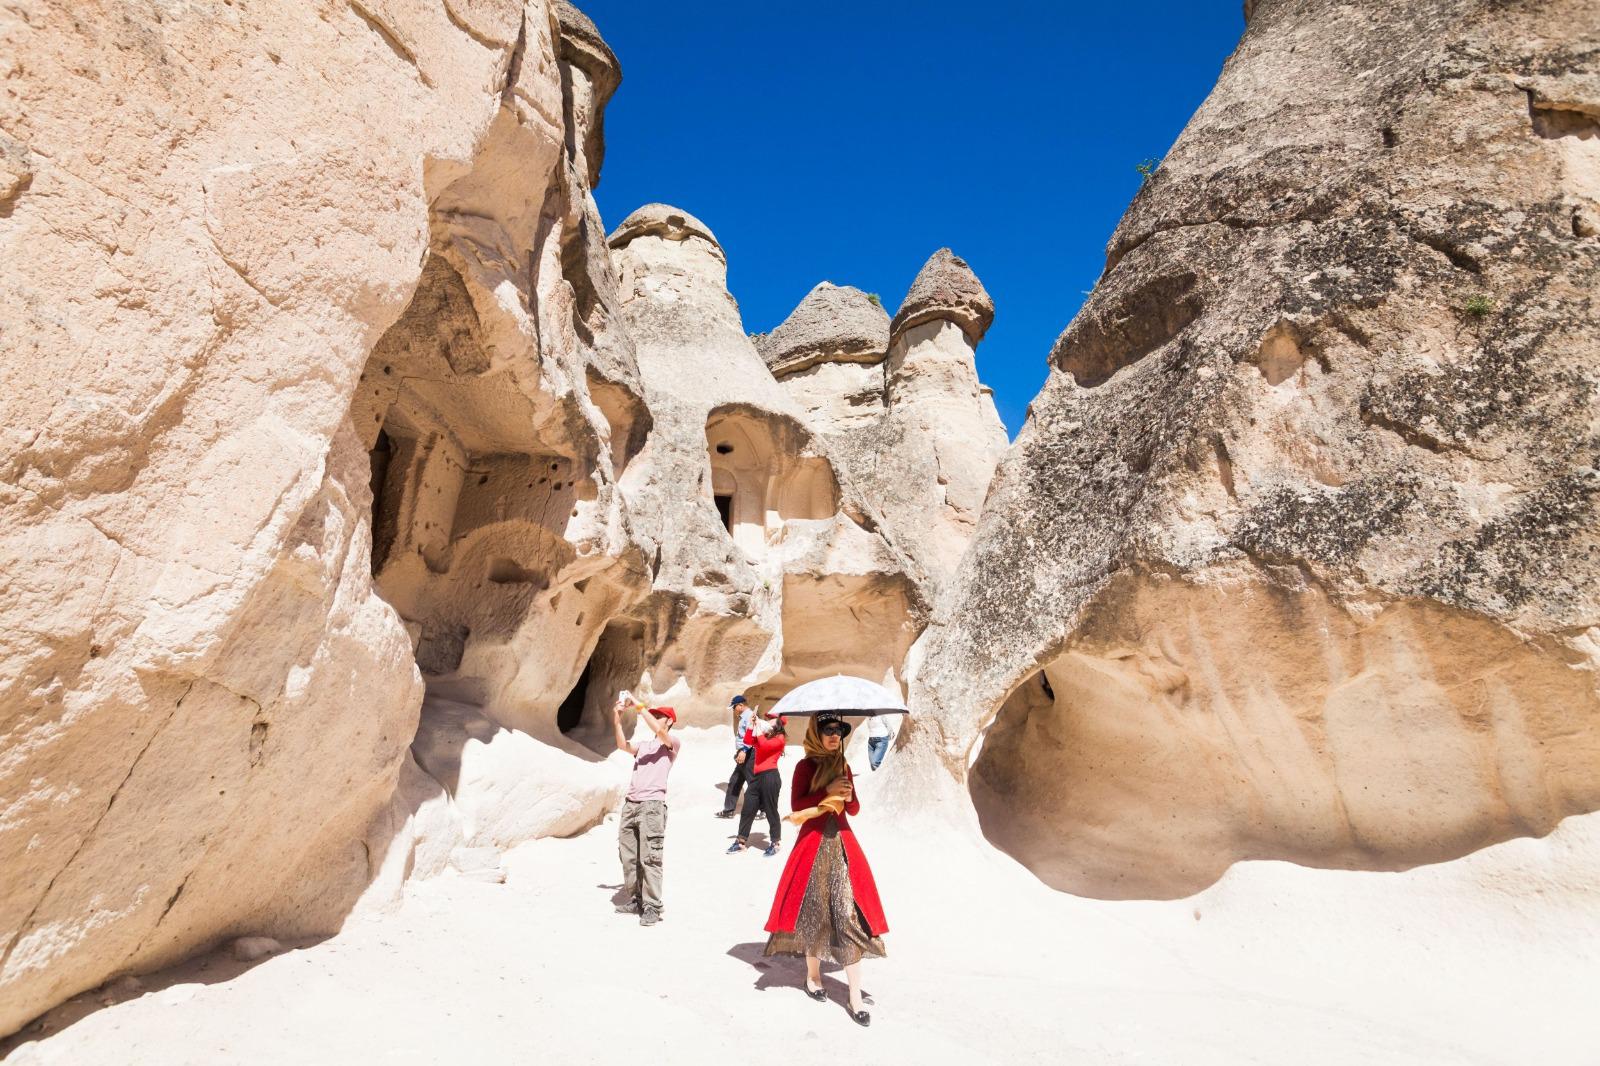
<point>900,402</point>
<point>769,570</point>
<point>350,469</point>
<point>228,280</point>
<point>829,355</point>
<point>1296,555</point>
<point>933,391</point>
<point>322,391</point>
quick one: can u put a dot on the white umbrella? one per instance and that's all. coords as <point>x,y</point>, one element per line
<point>842,695</point>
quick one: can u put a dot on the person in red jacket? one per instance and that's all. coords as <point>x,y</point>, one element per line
<point>764,787</point>
<point>827,904</point>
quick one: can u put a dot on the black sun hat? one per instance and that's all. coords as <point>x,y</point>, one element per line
<point>828,716</point>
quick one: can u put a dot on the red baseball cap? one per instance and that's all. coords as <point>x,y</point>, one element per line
<point>665,712</point>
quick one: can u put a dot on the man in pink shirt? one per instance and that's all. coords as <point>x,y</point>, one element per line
<point>644,815</point>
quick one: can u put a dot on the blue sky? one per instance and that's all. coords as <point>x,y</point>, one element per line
<point>847,141</point>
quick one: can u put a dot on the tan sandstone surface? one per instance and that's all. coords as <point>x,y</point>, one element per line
<point>900,403</point>
<point>192,287</point>
<point>350,467</point>
<point>769,569</point>
<point>1296,556</point>
<point>321,387</point>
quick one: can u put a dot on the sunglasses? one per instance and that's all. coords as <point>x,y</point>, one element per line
<point>832,729</point>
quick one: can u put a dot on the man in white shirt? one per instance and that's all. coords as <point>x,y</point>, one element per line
<point>878,736</point>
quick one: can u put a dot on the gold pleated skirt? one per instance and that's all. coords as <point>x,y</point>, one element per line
<point>830,926</point>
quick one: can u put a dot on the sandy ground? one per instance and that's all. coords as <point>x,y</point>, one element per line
<point>1494,959</point>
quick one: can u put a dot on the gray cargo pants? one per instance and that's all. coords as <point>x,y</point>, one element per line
<point>639,845</point>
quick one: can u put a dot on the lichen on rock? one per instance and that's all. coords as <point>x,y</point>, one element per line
<point>1299,539</point>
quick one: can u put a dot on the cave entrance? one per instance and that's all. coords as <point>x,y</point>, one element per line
<point>616,663</point>
<point>380,455</point>
<point>570,715</point>
<point>762,476</point>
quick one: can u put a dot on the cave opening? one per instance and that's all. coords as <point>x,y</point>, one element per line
<point>761,476</point>
<point>614,664</point>
<point>570,714</point>
<point>381,453</point>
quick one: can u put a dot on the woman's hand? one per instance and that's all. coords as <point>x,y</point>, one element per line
<point>841,788</point>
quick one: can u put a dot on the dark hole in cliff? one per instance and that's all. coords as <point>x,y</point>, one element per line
<point>510,572</point>
<point>725,509</point>
<point>441,646</point>
<point>388,457</point>
<point>613,665</point>
<point>380,455</point>
<point>1550,121</point>
<point>724,449</point>
<point>1389,137</point>
<point>570,714</point>
<point>1104,340</point>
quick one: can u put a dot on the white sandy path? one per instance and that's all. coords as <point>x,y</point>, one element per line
<point>1283,965</point>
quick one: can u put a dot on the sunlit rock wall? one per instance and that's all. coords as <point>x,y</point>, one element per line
<point>239,243</point>
<point>1296,555</point>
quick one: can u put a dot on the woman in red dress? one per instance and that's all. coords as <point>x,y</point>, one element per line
<point>827,904</point>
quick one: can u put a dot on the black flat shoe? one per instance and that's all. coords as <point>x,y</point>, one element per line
<point>861,1018</point>
<point>818,994</point>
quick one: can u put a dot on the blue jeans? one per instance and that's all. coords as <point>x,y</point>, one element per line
<point>876,747</point>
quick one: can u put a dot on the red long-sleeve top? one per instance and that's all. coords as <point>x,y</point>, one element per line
<point>803,855</point>
<point>803,797</point>
<point>767,750</point>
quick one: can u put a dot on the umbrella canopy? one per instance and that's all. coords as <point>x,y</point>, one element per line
<point>841,694</point>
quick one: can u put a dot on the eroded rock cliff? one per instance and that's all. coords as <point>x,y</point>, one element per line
<point>243,249</point>
<point>770,569</point>
<point>1296,555</point>
<point>325,388</point>
<point>350,469</point>
<point>900,403</point>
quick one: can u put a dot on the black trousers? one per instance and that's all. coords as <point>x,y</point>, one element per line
<point>764,789</point>
<point>742,776</point>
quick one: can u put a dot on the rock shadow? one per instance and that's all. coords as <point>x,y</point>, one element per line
<point>1188,728</point>
<point>210,968</point>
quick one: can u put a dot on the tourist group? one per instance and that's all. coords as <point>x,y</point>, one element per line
<point>826,908</point>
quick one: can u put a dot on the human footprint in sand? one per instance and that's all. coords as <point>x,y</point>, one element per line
<point>827,903</point>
